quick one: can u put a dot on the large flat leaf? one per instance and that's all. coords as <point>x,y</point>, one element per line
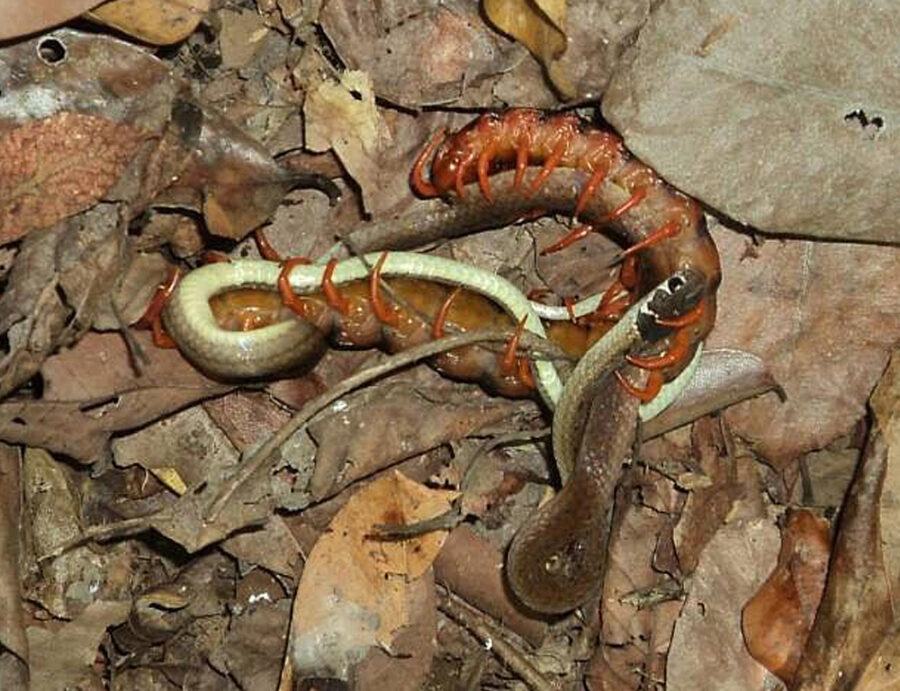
<point>777,114</point>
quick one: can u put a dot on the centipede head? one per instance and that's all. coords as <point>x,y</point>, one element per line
<point>456,158</point>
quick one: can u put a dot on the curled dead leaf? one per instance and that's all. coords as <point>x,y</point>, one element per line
<point>355,590</point>
<point>541,26</point>
<point>777,620</point>
<point>159,23</point>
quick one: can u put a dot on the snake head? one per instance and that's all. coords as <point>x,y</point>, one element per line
<point>674,298</point>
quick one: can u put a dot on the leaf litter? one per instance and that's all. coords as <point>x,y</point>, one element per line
<point>117,162</point>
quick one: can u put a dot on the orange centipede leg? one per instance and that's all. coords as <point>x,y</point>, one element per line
<point>596,180</point>
<point>290,299</point>
<point>521,160</point>
<point>332,296</point>
<point>649,392</point>
<point>570,238</point>
<point>484,168</point>
<point>678,348</point>
<point>266,251</point>
<point>668,230</point>
<point>629,273</point>
<point>569,302</point>
<point>635,199</point>
<point>419,185</point>
<point>213,257</point>
<point>611,310</point>
<point>686,319</point>
<point>152,317</point>
<point>549,166</point>
<point>440,319</point>
<point>384,313</point>
<point>508,361</point>
<point>523,372</point>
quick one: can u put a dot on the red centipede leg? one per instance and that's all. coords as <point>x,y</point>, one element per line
<point>484,168</point>
<point>522,149</point>
<point>418,183</point>
<point>635,199</point>
<point>212,257</point>
<point>596,180</point>
<point>508,361</point>
<point>266,251</point>
<point>612,310</point>
<point>569,302</point>
<point>523,372</point>
<point>332,295</point>
<point>666,231</point>
<point>440,319</point>
<point>549,166</point>
<point>459,182</point>
<point>649,392</point>
<point>383,312</point>
<point>678,348</point>
<point>570,238</point>
<point>629,273</point>
<point>290,299</point>
<point>152,318</point>
<point>686,319</point>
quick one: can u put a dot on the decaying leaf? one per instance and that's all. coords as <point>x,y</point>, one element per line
<point>858,608</point>
<point>12,619</point>
<point>343,116</point>
<point>58,166</point>
<point>421,54</point>
<point>23,18</point>
<point>707,650</point>
<point>541,26</point>
<point>777,620</point>
<point>355,589</point>
<point>65,657</point>
<point>152,21</point>
<point>777,116</point>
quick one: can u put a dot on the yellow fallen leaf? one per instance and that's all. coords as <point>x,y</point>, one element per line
<point>355,589</point>
<point>343,116</point>
<point>539,25</point>
<point>159,22</point>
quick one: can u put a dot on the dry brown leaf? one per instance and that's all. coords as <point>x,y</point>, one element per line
<point>885,405</point>
<point>342,116</point>
<point>64,656</point>
<point>778,115</point>
<point>388,428</point>
<point>93,391</point>
<point>12,620</point>
<point>355,590</point>
<point>881,674</point>
<point>154,21</point>
<point>707,648</point>
<point>182,450</point>
<point>421,54</point>
<point>541,26</point>
<point>823,327</point>
<point>23,18</point>
<point>858,608</point>
<point>58,166</point>
<point>777,620</point>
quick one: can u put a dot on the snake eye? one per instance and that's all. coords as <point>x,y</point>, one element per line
<point>553,563</point>
<point>675,283</point>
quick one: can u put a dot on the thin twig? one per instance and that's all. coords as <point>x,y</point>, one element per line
<point>494,639</point>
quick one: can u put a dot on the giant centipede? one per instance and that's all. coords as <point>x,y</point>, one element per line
<point>666,229</point>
